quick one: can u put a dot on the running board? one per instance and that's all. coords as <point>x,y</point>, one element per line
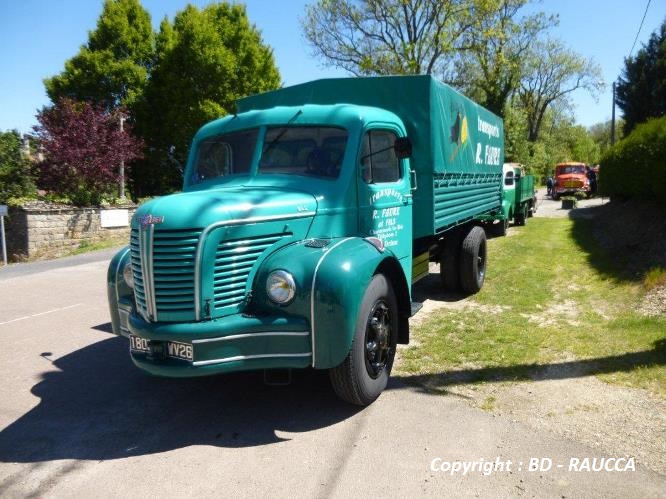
<point>416,306</point>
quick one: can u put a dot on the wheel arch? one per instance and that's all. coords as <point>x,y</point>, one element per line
<point>391,268</point>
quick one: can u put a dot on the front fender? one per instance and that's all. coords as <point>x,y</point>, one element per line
<point>330,283</point>
<point>116,287</point>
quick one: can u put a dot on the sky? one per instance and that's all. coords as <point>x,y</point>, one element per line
<point>38,36</point>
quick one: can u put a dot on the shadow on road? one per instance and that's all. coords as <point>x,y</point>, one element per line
<point>99,406</point>
<point>431,288</point>
<point>438,382</point>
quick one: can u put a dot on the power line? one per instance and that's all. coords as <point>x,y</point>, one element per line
<point>639,28</point>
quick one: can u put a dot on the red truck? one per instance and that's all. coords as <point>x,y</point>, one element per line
<point>571,178</point>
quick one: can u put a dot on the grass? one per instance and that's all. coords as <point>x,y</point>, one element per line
<point>655,277</point>
<point>83,247</point>
<point>544,311</point>
<point>87,247</point>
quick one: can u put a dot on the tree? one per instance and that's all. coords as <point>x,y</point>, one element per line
<point>601,134</point>
<point>370,37</point>
<point>112,69</point>
<point>205,61</point>
<point>641,91</point>
<point>491,70</point>
<point>559,140</point>
<point>15,178</point>
<point>551,72</point>
<point>83,147</point>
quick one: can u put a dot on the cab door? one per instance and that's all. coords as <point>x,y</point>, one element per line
<point>384,194</point>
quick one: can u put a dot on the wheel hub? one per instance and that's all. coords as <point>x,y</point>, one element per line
<point>378,338</point>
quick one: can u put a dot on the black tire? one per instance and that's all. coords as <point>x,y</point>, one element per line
<point>502,227</point>
<point>449,263</point>
<point>521,216</point>
<point>473,260</point>
<point>364,373</point>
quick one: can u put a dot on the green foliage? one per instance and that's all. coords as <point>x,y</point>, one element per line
<point>601,135</point>
<point>491,68</point>
<point>641,92</point>
<point>635,166</point>
<point>560,140</point>
<point>112,69</point>
<point>551,72</point>
<point>205,60</point>
<point>15,178</point>
<point>371,37</point>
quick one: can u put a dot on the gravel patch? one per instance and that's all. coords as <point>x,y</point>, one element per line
<point>654,302</point>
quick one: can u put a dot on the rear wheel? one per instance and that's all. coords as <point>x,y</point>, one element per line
<point>473,260</point>
<point>364,373</point>
<point>449,263</point>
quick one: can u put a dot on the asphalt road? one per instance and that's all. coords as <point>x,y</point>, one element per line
<point>548,208</point>
<point>78,420</point>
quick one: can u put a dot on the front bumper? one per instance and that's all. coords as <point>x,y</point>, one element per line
<point>571,190</point>
<point>229,344</point>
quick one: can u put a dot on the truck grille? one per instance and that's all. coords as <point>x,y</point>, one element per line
<point>164,283</point>
<point>234,260</point>
<point>163,266</point>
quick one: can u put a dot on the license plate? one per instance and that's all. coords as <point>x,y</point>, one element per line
<point>179,350</point>
<point>139,344</point>
<point>173,349</point>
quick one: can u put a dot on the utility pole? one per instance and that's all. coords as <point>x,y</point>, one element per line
<point>612,137</point>
<point>121,189</point>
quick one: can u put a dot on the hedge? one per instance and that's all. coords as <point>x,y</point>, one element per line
<point>636,166</point>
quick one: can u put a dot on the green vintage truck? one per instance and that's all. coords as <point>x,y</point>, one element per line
<point>518,198</point>
<point>303,222</point>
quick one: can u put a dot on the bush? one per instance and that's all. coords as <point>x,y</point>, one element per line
<point>636,166</point>
<point>83,147</point>
<point>15,178</point>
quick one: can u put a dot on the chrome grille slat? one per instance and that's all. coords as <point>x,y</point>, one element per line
<point>163,265</point>
<point>163,268</point>
<point>234,260</point>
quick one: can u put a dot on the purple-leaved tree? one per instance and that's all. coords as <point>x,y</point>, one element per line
<point>83,146</point>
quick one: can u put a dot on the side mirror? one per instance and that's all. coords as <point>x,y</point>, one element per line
<point>402,147</point>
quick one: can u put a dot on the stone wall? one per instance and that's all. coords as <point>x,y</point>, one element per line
<point>45,230</point>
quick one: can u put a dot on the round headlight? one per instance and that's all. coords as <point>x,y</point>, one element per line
<point>280,287</point>
<point>128,276</point>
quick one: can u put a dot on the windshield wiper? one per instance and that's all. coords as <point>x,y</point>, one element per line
<point>282,132</point>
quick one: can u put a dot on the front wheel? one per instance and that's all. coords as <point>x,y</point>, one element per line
<point>521,216</point>
<point>364,373</point>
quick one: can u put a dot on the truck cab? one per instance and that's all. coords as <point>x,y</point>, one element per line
<point>294,242</point>
<point>571,178</point>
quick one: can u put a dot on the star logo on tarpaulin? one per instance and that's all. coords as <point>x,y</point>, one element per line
<point>459,134</point>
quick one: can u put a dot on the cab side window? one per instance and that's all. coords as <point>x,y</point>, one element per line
<point>379,163</point>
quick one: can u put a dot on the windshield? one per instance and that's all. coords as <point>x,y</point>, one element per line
<point>303,150</point>
<point>224,155</point>
<point>571,169</point>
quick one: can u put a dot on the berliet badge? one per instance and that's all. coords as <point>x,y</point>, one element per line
<point>149,219</point>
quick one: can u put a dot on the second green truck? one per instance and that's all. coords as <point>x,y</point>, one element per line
<point>304,220</point>
<point>519,199</point>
